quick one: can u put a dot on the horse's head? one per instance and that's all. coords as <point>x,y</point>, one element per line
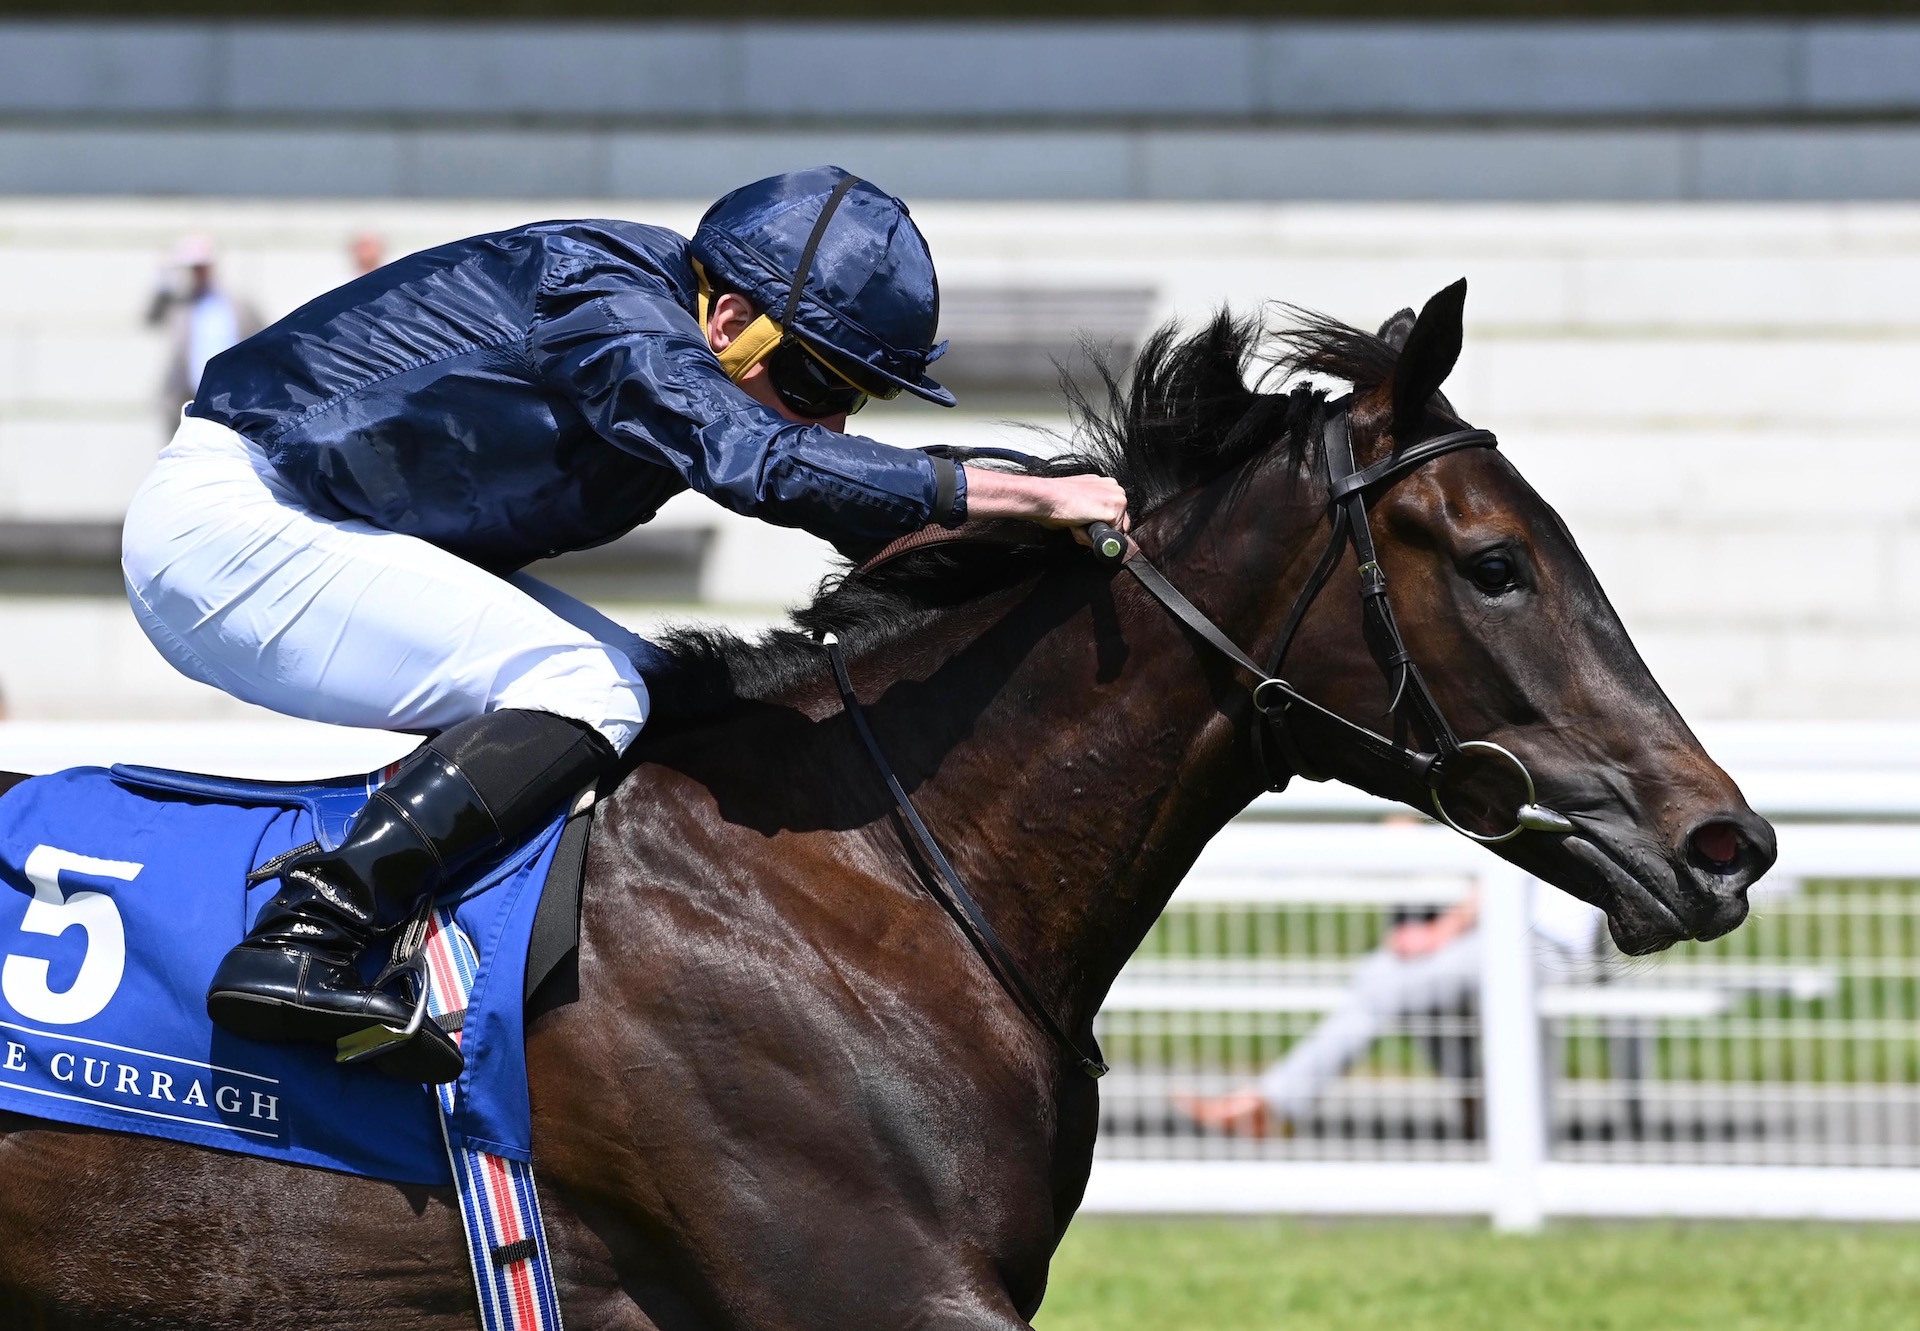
<point>1519,646</point>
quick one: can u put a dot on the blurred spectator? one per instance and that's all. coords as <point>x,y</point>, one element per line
<point>366,251</point>
<point>1428,965</point>
<point>201,318</point>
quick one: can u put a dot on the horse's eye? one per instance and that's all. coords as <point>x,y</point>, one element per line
<point>1495,571</point>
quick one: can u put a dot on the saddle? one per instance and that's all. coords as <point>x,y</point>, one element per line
<point>332,805</point>
<point>121,888</point>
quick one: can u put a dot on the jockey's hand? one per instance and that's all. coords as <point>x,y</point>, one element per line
<point>1051,501</point>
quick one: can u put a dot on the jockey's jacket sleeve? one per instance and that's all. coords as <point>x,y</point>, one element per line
<point>637,366</point>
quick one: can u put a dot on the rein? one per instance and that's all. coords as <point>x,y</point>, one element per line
<point>1284,711</point>
<point>951,892</point>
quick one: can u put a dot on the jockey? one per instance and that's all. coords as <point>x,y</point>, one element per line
<point>338,527</point>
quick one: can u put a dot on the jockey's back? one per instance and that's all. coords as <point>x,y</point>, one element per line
<point>514,395</point>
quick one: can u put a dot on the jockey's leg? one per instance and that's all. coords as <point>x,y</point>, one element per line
<point>470,791</point>
<point>241,586</point>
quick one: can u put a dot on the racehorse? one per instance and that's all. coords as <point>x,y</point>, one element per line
<point>786,1090</point>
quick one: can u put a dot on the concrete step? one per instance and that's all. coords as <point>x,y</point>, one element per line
<point>960,71</point>
<point>1679,383</point>
<point>1752,270</point>
<point>83,461</point>
<point>1840,160</point>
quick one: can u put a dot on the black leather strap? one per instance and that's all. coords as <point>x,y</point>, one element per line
<point>1185,611</point>
<point>838,193</point>
<point>987,453</point>
<point>1382,764</point>
<point>1277,700</point>
<point>1408,459</point>
<point>1322,570</point>
<point>951,892</point>
<point>1389,763</point>
<point>1406,686</point>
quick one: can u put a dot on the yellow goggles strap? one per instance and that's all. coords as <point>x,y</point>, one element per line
<point>755,343</point>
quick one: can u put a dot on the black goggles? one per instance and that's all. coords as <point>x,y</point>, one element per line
<point>813,387</point>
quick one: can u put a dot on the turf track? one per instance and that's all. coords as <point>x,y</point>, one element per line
<point>1223,1275</point>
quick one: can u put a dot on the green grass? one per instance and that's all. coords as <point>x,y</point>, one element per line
<point>1224,1275</point>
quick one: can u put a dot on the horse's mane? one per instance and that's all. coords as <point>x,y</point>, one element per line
<point>1184,414</point>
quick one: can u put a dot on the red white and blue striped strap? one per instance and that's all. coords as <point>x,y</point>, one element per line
<point>506,1238</point>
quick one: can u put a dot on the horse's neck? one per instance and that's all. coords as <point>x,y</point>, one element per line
<point>1075,757</point>
<point>1071,746</point>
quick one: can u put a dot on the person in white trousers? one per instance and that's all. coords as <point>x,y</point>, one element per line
<point>1425,966</point>
<point>339,527</point>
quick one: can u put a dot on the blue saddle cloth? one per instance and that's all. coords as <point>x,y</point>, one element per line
<point>121,889</point>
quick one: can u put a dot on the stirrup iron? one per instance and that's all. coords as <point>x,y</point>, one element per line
<point>378,1039</point>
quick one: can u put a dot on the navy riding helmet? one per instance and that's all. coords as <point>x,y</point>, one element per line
<point>834,263</point>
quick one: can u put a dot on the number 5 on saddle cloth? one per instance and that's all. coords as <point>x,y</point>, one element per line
<point>120,891</point>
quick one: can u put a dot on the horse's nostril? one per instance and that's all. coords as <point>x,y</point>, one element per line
<point>1731,851</point>
<point>1717,843</point>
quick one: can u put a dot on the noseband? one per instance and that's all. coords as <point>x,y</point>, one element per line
<point>1287,713</point>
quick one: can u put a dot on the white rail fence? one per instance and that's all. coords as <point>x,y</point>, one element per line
<point>1773,1073</point>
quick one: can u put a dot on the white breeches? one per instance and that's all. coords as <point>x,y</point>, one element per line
<point>241,587</point>
<point>1385,988</point>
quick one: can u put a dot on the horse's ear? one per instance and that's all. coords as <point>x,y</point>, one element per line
<point>1394,331</point>
<point>1432,347</point>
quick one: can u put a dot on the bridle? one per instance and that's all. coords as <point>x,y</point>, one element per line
<point>1285,713</point>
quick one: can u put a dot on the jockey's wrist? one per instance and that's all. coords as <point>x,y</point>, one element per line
<point>999,494</point>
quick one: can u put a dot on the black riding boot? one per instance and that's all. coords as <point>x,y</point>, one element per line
<point>465,794</point>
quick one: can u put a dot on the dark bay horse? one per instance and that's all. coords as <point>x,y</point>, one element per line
<point>789,1093</point>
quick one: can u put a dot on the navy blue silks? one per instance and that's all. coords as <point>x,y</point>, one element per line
<point>515,395</point>
<point>118,899</point>
<point>869,294</point>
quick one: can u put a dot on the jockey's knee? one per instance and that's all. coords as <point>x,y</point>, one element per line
<point>596,685</point>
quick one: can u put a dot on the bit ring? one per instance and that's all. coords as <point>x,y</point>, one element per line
<point>1529,815</point>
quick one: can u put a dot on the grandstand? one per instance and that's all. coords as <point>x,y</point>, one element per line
<point>1699,388</point>
<point>1691,239</point>
<point>1692,234</point>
